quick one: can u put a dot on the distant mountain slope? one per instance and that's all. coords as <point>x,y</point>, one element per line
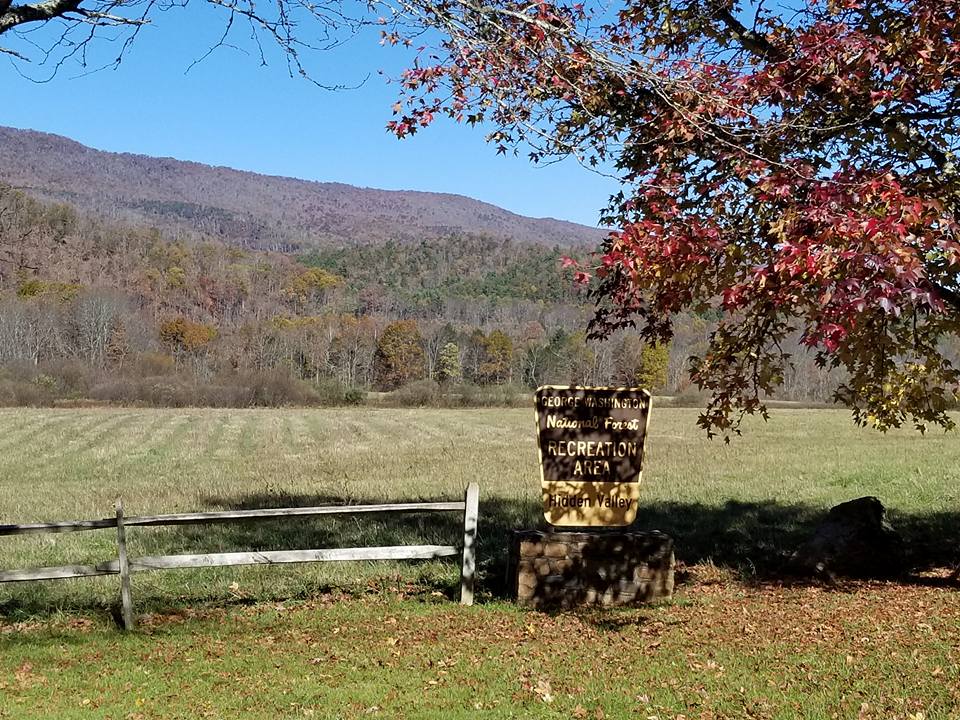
<point>255,210</point>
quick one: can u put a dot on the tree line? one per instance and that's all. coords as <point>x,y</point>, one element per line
<point>110,311</point>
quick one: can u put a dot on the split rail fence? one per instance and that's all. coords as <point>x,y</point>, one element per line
<point>124,565</point>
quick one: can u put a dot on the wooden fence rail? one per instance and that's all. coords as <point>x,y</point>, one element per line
<point>124,566</point>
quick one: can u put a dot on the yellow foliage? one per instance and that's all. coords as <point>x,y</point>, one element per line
<point>64,292</point>
<point>185,335</point>
<point>311,283</point>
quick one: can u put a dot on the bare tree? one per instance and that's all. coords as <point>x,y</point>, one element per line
<point>70,30</point>
<point>94,317</point>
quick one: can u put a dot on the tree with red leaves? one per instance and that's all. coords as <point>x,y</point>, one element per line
<point>785,172</point>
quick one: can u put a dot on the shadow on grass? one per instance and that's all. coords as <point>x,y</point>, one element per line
<point>754,539</point>
<point>498,517</point>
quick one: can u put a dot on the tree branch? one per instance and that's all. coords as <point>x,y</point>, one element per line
<point>109,19</point>
<point>14,53</point>
<point>943,160</point>
<point>747,39</point>
<point>10,17</point>
<point>760,46</point>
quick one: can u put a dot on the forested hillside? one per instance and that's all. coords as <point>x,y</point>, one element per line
<point>428,274</point>
<point>92,309</point>
<point>131,279</point>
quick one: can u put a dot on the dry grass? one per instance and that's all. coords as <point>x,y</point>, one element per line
<point>68,462</point>
<point>742,506</point>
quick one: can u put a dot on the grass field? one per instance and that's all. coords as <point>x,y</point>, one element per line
<point>313,641</point>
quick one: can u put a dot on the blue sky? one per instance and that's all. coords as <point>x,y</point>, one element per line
<point>228,110</point>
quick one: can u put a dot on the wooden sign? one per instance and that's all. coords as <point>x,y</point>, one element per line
<point>591,444</point>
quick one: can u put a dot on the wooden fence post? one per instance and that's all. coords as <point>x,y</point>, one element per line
<point>126,599</point>
<point>124,566</point>
<point>471,511</point>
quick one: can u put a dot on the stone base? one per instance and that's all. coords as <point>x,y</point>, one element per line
<point>569,569</point>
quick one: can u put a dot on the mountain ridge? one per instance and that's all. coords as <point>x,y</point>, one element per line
<point>254,209</point>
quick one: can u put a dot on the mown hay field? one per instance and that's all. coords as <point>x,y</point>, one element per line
<point>744,505</point>
<point>742,639</point>
<point>56,463</point>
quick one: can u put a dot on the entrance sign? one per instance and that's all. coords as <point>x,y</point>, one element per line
<point>591,444</point>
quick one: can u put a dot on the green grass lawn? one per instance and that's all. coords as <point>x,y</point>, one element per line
<point>723,651</point>
<point>314,641</point>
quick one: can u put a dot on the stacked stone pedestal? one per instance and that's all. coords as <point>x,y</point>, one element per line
<point>569,569</point>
